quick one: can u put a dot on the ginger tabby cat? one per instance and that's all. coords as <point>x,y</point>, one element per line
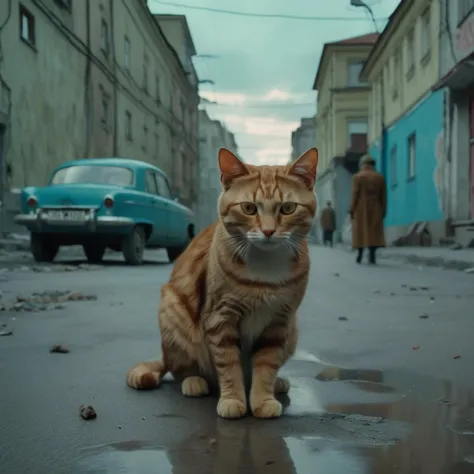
<point>235,290</point>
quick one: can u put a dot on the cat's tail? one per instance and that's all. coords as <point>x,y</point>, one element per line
<point>146,375</point>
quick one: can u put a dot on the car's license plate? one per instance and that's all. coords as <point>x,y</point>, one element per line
<point>67,215</point>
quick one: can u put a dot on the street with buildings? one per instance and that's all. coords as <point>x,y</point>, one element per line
<point>405,96</point>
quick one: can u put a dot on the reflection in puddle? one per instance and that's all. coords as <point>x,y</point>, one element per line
<point>412,434</point>
<point>130,457</point>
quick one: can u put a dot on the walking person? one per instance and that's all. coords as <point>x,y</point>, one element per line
<point>328,223</point>
<point>368,209</point>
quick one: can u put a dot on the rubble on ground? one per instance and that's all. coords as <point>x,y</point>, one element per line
<point>46,301</point>
<point>53,268</point>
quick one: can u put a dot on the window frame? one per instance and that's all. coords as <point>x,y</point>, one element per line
<point>161,177</point>
<point>151,173</point>
<point>425,33</point>
<point>393,167</point>
<point>127,53</point>
<point>358,83</point>
<point>128,125</point>
<point>411,157</point>
<point>411,54</point>
<point>30,38</point>
<point>104,37</point>
<point>465,9</point>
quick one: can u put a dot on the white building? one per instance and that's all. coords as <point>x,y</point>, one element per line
<point>212,136</point>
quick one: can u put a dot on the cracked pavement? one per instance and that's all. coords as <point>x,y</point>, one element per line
<point>381,382</point>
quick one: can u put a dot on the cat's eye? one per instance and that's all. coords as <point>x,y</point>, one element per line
<point>248,208</point>
<point>288,208</point>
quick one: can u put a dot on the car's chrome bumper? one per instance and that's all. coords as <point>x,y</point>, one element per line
<point>91,223</point>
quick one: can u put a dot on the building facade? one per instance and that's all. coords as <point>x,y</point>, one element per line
<point>94,79</point>
<point>341,121</point>
<point>303,138</point>
<point>212,136</point>
<point>406,122</point>
<point>456,57</point>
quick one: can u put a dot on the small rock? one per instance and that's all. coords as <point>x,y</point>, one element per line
<point>457,357</point>
<point>415,348</point>
<point>87,412</point>
<point>392,294</point>
<point>445,401</point>
<point>423,316</point>
<point>6,333</point>
<point>413,288</point>
<point>404,286</point>
<point>336,274</point>
<point>59,349</point>
<point>342,318</point>
<point>424,288</point>
<point>455,247</point>
<point>376,292</point>
<point>469,270</point>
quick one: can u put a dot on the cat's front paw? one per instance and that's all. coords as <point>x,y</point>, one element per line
<point>269,408</point>
<point>231,408</point>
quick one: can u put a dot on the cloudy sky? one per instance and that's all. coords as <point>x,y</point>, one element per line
<point>265,65</point>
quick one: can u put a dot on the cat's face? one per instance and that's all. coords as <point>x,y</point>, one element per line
<point>268,206</point>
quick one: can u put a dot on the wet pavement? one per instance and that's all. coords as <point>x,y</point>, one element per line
<point>382,381</point>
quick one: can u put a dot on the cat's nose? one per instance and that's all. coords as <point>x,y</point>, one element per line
<point>268,233</point>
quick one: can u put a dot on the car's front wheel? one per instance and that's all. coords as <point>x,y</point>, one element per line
<point>43,250</point>
<point>133,246</point>
<point>94,253</point>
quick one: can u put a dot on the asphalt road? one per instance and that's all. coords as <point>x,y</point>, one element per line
<point>389,388</point>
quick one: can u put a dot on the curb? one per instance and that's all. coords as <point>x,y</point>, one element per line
<point>438,262</point>
<point>15,245</point>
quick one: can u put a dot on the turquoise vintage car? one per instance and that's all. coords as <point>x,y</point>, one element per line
<point>100,203</point>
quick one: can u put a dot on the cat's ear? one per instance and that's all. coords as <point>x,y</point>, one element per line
<point>304,168</point>
<point>231,167</point>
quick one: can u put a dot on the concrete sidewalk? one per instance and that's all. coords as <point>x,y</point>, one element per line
<point>441,257</point>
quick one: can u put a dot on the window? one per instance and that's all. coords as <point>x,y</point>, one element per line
<point>104,37</point>
<point>128,125</point>
<point>105,113</point>
<point>157,90</point>
<point>410,53</point>
<point>151,186</point>
<point>465,8</point>
<point>353,74</point>
<point>126,53</point>
<point>163,187</point>
<point>411,156</point>
<point>145,74</point>
<point>157,145</point>
<point>397,69</point>
<point>145,138</point>
<point>27,26</point>
<point>93,174</point>
<point>425,33</point>
<point>393,167</point>
<point>357,127</point>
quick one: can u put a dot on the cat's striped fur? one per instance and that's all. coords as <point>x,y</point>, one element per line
<point>236,289</point>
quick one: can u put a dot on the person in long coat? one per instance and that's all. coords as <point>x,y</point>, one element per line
<point>328,223</point>
<point>368,209</point>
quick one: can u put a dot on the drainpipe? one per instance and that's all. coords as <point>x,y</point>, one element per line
<point>88,97</point>
<point>114,70</point>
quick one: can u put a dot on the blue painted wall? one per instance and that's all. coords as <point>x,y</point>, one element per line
<point>414,200</point>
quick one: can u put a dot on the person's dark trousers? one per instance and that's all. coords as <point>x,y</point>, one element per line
<point>372,258</point>
<point>327,237</point>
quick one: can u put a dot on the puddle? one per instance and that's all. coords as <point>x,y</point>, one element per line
<point>340,421</point>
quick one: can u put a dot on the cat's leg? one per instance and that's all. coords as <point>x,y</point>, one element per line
<point>146,375</point>
<point>274,347</point>
<point>180,336</point>
<point>222,337</point>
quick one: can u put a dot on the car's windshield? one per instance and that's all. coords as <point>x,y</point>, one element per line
<point>93,174</point>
